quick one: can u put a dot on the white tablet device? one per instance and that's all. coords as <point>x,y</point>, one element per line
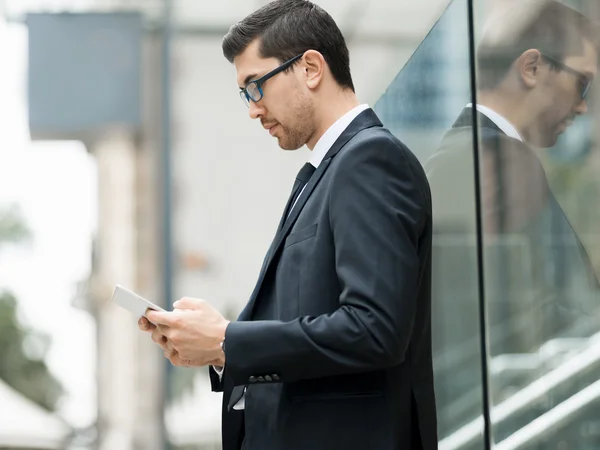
<point>134,303</point>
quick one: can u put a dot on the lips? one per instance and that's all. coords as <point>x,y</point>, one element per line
<point>270,127</point>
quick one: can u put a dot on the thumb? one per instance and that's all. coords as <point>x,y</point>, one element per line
<point>188,303</point>
<point>158,317</point>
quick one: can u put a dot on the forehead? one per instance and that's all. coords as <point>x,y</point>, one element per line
<point>249,65</point>
<point>587,62</point>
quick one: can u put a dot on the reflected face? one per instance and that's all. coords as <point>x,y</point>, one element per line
<point>560,96</point>
<point>286,110</point>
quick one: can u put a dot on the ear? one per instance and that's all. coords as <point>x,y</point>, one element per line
<point>313,68</point>
<point>528,67</point>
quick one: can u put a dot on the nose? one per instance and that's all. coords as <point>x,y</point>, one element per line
<point>582,107</point>
<point>255,110</point>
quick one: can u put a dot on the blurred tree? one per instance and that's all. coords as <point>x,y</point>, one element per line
<point>22,363</point>
<point>12,226</point>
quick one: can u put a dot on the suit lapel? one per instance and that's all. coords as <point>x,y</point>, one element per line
<point>282,234</point>
<point>289,222</point>
<point>366,119</point>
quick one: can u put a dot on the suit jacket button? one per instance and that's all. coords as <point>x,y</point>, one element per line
<point>268,378</point>
<point>275,377</point>
<point>252,379</point>
<point>261,379</point>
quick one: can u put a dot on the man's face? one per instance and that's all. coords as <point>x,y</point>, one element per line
<point>286,109</point>
<point>560,96</point>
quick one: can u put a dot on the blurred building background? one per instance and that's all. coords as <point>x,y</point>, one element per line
<point>134,161</point>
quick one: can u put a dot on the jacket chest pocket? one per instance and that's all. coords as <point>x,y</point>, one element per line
<point>301,235</point>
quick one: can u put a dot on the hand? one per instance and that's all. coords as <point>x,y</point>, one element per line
<point>194,332</point>
<point>145,325</point>
<point>162,341</point>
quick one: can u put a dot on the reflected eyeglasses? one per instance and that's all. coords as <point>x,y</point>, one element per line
<point>585,82</point>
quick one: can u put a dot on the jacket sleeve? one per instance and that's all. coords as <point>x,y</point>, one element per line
<point>377,213</point>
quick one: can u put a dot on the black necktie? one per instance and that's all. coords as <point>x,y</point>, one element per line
<point>301,179</point>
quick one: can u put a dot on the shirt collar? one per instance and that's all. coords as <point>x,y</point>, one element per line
<point>332,134</point>
<point>500,121</point>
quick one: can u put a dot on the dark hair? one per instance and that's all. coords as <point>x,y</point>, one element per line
<point>287,28</point>
<point>550,27</point>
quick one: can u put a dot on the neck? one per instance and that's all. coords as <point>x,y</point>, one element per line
<point>512,110</point>
<point>329,111</point>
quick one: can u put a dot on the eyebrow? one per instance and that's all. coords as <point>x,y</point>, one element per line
<point>248,79</point>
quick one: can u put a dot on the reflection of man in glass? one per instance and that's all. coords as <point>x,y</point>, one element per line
<point>535,65</point>
<point>535,76</point>
<point>535,68</point>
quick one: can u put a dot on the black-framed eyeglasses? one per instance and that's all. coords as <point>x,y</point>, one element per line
<point>585,82</point>
<point>254,91</point>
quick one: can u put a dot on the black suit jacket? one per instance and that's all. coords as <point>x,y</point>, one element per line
<point>334,345</point>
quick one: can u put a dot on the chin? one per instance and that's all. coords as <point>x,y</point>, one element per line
<point>289,146</point>
<point>546,141</point>
<point>290,149</point>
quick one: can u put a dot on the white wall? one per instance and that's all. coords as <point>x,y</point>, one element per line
<point>232,179</point>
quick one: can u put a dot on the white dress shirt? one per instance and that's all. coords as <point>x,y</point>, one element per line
<point>317,155</point>
<point>326,141</point>
<point>500,121</point>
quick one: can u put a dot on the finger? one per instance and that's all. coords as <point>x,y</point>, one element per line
<point>165,331</point>
<point>148,310</point>
<point>189,303</point>
<point>169,354</point>
<point>175,359</point>
<point>186,362</point>
<point>169,345</point>
<point>159,338</point>
<point>145,325</point>
<point>159,317</point>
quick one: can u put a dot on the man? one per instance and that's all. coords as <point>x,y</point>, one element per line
<point>536,63</point>
<point>333,349</point>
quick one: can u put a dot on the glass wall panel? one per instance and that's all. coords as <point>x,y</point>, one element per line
<point>536,61</point>
<point>425,107</point>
